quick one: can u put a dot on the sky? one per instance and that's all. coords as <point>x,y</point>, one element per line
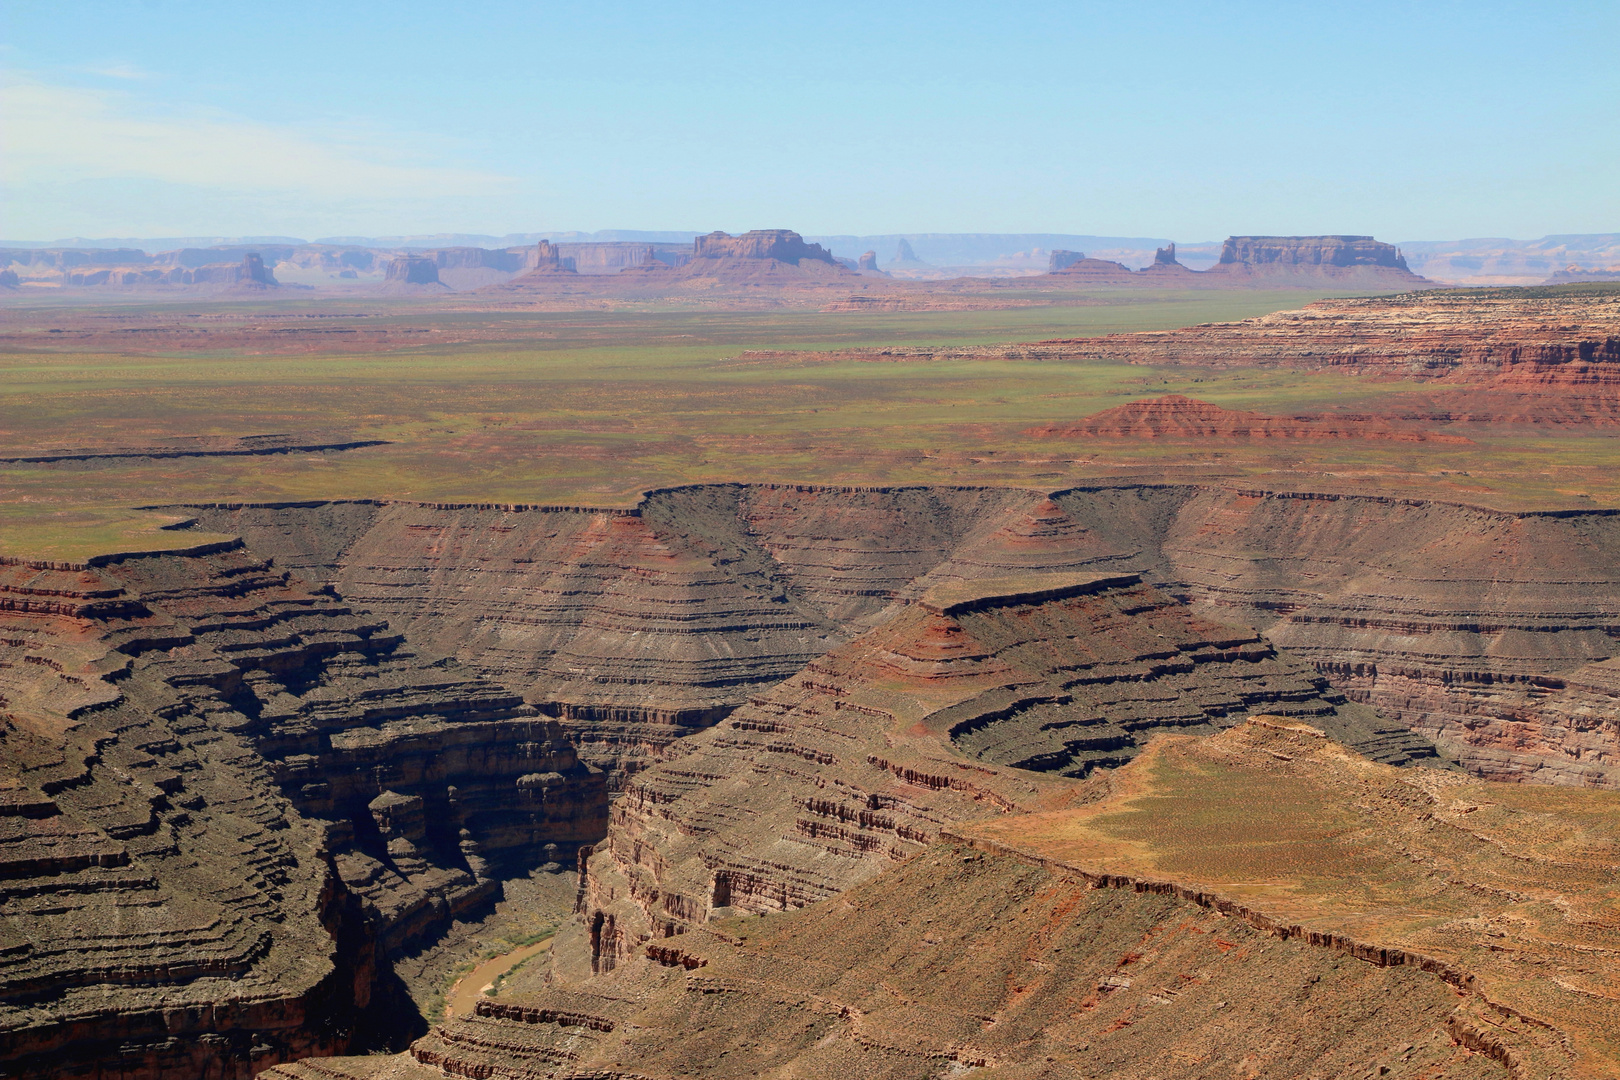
<point>1188,121</point>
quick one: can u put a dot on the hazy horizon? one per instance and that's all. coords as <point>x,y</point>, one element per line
<point>185,119</point>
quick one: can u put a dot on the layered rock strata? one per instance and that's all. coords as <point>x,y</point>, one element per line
<point>1452,621</point>
<point>636,627</point>
<point>1262,902</point>
<point>1175,416</point>
<point>1291,253</point>
<point>1460,623</point>
<point>1535,342</point>
<point>229,797</point>
<point>861,758</point>
<point>963,962</point>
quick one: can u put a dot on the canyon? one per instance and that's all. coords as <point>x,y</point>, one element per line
<point>1102,775</point>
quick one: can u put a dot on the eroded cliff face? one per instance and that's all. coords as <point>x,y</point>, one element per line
<point>932,718</point>
<point>1459,623</point>
<point>1338,251</point>
<point>959,961</point>
<point>1462,624</point>
<point>1495,341</point>
<point>228,797</point>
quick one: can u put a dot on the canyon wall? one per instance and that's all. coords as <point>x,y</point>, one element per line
<point>228,798</point>
<point>1339,251</point>
<point>1527,342</point>
<point>960,962</point>
<point>1473,627</point>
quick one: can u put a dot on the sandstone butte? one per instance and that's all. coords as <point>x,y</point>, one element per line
<point>904,780</point>
<point>1353,261</point>
<point>770,258</point>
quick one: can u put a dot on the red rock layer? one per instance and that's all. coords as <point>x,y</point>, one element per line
<point>856,761</point>
<point>1453,621</point>
<point>1450,620</point>
<point>1536,340</point>
<point>1175,416</point>
<point>225,797</point>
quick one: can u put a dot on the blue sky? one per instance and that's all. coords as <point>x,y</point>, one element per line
<point>1184,120</point>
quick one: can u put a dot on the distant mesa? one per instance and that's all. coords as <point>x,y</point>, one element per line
<point>867,265</point>
<point>254,272</point>
<point>1358,260</point>
<point>1262,260</point>
<point>547,258</point>
<point>1074,264</point>
<point>904,256</point>
<point>1575,273</point>
<point>413,273</point>
<point>760,257</point>
<point>1175,416</point>
<point>1291,252</point>
<point>783,245</point>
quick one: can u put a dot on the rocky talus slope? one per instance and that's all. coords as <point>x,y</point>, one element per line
<point>1260,903</point>
<point>848,768</point>
<point>1459,623</point>
<point>1176,416</point>
<point>862,757</point>
<point>1527,339</point>
<point>228,797</point>
<point>1472,627</point>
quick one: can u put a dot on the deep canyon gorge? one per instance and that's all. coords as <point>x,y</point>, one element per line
<point>1287,769</point>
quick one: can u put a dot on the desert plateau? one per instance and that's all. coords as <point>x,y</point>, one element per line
<point>1045,583</point>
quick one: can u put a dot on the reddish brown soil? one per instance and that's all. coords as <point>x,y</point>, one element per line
<point>1175,416</point>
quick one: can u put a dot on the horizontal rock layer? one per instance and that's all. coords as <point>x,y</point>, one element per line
<point>634,627</point>
<point>225,797</point>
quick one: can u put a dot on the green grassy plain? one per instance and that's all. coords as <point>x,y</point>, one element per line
<point>593,407</point>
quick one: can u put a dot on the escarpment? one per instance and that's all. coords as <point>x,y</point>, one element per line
<point>1460,624</point>
<point>1261,902</point>
<point>1175,416</point>
<point>229,797</point>
<point>793,689</point>
<point>861,758</point>
<point>958,961</point>
<point>1498,340</point>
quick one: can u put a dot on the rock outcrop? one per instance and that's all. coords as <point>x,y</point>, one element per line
<point>903,256</point>
<point>413,273</point>
<point>1175,416</point>
<point>548,259</point>
<point>1287,258</point>
<point>867,261</point>
<point>1459,623</point>
<point>232,798</point>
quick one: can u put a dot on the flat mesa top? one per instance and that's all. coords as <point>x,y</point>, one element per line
<point>1513,887</point>
<point>958,597</point>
